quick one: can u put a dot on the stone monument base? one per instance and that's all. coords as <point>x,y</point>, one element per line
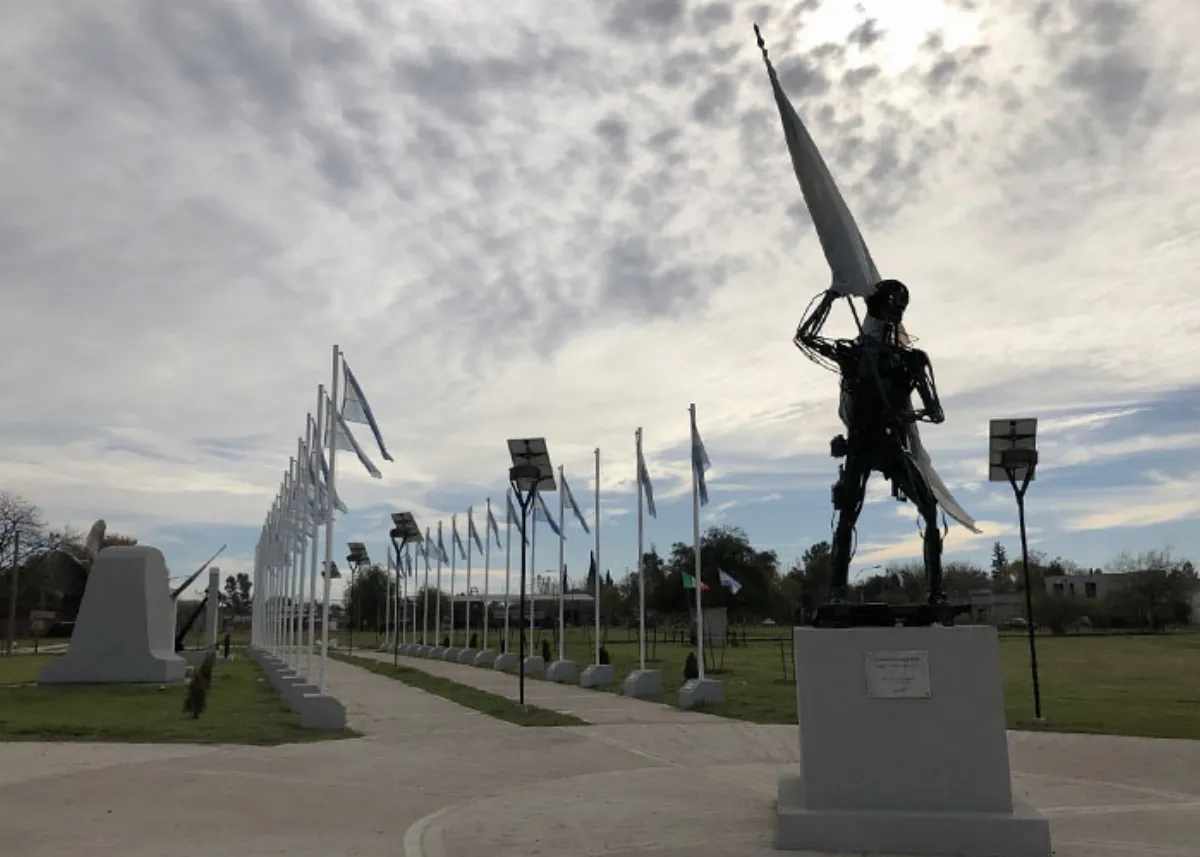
<point>701,691</point>
<point>643,684</point>
<point>436,653</point>
<point>597,675</point>
<point>486,658</point>
<point>903,747</point>
<point>451,654</point>
<point>124,633</point>
<point>467,656</point>
<point>562,672</point>
<point>507,661</point>
<point>534,665</point>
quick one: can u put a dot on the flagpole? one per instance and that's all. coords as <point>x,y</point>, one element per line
<point>487,568</point>
<point>437,622</point>
<point>470,527</point>
<point>640,562</point>
<point>532,578</point>
<point>402,575</point>
<point>696,549</point>
<point>508,522</point>
<point>596,524</point>
<point>562,583</point>
<point>331,486</point>
<point>453,572</point>
<point>314,432</point>
<point>289,568</point>
<point>425,594</point>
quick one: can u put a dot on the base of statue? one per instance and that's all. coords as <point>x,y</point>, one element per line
<point>903,748</point>
<point>882,615</point>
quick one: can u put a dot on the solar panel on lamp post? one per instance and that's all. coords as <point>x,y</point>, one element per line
<point>356,559</point>
<point>531,473</point>
<point>1013,458</point>
<point>404,532</point>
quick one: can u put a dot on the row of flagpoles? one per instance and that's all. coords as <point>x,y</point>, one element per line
<point>286,567</point>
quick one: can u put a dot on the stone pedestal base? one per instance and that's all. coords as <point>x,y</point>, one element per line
<point>319,711</point>
<point>437,653</point>
<point>563,672</point>
<point>903,747</point>
<point>643,684</point>
<point>451,654</point>
<point>507,661</point>
<point>467,656</point>
<point>485,659</point>
<point>534,665</point>
<point>598,675</point>
<point>701,691</point>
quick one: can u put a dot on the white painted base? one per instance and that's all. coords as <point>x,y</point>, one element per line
<point>701,691</point>
<point>534,665</point>
<point>903,747</point>
<point>562,672</point>
<point>643,684</point>
<point>319,711</point>
<point>467,656</point>
<point>451,654</point>
<point>437,653</point>
<point>507,661</point>
<point>485,659</point>
<point>598,675</point>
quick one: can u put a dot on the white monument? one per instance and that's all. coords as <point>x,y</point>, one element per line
<point>903,747</point>
<point>123,634</point>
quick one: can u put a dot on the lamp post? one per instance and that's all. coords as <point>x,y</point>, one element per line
<point>356,559</point>
<point>1013,458</point>
<point>530,473</point>
<point>404,532</point>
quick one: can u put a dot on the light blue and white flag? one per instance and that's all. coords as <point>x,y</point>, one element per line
<point>574,506</point>
<point>644,479</point>
<point>515,519</point>
<point>455,539</point>
<point>473,533</point>
<point>355,408</point>
<point>342,439</point>
<point>441,546</point>
<point>728,582</point>
<point>322,484</point>
<point>541,513</point>
<point>700,462</point>
<point>491,523</point>
<point>408,565</point>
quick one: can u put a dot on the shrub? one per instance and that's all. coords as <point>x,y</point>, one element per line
<point>690,668</point>
<point>196,699</point>
<point>604,658</point>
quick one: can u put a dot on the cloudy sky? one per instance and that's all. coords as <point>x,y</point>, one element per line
<point>574,219</point>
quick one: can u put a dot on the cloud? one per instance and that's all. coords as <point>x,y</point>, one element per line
<point>1162,498</point>
<point>569,221</point>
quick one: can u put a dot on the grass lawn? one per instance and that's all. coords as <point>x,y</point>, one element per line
<point>1119,685</point>
<point>243,708</point>
<point>482,701</point>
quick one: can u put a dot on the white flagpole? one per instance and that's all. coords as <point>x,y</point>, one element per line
<point>696,550</point>
<point>302,513</point>
<point>596,524</point>
<point>470,526</point>
<point>425,595</point>
<point>453,572</point>
<point>289,562</point>
<point>562,589</point>
<point>437,622</point>
<point>331,489</point>
<point>403,579</point>
<point>532,578</point>
<point>487,568</point>
<point>390,604</point>
<point>508,522</point>
<point>640,558</point>
<point>314,432</point>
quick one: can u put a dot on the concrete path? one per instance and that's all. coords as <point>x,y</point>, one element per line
<point>431,779</point>
<point>590,705</point>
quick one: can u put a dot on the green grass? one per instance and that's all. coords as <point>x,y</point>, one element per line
<point>1121,685</point>
<point>243,708</point>
<point>482,701</point>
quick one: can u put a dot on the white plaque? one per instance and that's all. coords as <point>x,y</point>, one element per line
<point>898,675</point>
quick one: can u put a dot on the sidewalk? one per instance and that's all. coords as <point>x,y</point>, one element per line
<point>594,706</point>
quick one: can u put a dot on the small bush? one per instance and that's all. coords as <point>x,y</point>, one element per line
<point>196,699</point>
<point>604,659</point>
<point>474,643</point>
<point>546,650</point>
<point>690,668</point>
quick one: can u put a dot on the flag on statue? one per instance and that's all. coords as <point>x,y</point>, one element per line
<point>689,582</point>
<point>541,513</point>
<point>728,582</point>
<point>355,407</point>
<point>574,506</point>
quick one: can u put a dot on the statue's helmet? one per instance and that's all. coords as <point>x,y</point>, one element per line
<point>889,301</point>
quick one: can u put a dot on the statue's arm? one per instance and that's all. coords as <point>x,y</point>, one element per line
<point>926,387</point>
<point>808,336</point>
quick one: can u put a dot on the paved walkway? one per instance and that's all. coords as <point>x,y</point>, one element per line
<point>431,779</point>
<point>590,705</point>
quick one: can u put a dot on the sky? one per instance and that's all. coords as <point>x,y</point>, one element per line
<point>571,220</point>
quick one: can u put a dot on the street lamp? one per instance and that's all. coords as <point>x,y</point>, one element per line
<point>403,533</point>
<point>356,559</point>
<point>530,473</point>
<point>1013,458</point>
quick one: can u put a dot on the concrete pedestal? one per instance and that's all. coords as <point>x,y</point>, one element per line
<point>643,684</point>
<point>467,656</point>
<point>451,654</point>
<point>562,672</point>
<point>123,634</point>
<point>437,653</point>
<point>903,747</point>
<point>507,661</point>
<point>486,659</point>
<point>598,675</point>
<point>318,711</point>
<point>423,651</point>
<point>701,691</point>
<point>534,665</point>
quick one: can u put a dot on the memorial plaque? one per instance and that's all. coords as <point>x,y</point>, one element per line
<point>898,675</point>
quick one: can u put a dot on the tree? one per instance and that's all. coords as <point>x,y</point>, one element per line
<point>238,594</point>
<point>725,549</point>
<point>813,574</point>
<point>1160,589</point>
<point>366,598</point>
